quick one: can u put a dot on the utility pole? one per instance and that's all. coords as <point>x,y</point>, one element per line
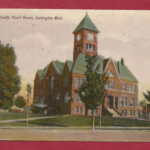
<point>100,117</point>
<point>146,109</point>
<point>27,113</point>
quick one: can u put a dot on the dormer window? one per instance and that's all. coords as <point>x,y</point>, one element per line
<point>109,74</point>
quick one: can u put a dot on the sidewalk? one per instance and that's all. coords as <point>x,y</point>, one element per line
<point>76,128</point>
<point>29,119</point>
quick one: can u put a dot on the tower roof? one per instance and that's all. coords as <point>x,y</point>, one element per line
<point>86,23</point>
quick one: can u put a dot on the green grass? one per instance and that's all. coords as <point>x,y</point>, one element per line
<point>11,116</point>
<point>81,121</point>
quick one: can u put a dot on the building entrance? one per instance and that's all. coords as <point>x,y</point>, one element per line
<point>110,101</point>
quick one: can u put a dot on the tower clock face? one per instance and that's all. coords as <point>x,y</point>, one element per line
<point>78,37</point>
<point>90,37</point>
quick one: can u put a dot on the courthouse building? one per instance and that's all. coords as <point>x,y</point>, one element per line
<point>55,85</point>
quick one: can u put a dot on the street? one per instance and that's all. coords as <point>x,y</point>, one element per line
<point>37,134</point>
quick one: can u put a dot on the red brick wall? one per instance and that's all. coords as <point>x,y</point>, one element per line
<point>83,41</point>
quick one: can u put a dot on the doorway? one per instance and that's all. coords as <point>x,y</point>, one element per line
<point>111,101</point>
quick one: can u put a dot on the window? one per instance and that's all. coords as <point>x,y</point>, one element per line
<point>109,74</point>
<point>81,81</point>
<point>106,85</point>
<point>66,98</point>
<point>132,102</point>
<point>52,82</point>
<point>124,87</point>
<point>123,101</point>
<point>132,113</point>
<point>36,99</point>
<point>111,84</point>
<point>76,110</point>
<point>90,47</point>
<point>77,98</point>
<point>76,81</point>
<point>42,99</point>
<point>132,89</point>
<point>90,37</point>
<point>57,97</point>
<point>124,112</point>
<point>80,110</point>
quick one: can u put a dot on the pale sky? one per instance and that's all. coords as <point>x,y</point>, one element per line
<point>123,33</point>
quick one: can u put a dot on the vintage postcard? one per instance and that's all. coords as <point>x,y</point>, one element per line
<point>74,75</point>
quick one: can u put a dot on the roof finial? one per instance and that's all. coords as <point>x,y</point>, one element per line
<point>86,13</point>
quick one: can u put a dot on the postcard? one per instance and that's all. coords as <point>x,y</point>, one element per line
<point>74,75</point>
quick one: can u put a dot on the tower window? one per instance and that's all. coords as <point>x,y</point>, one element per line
<point>90,47</point>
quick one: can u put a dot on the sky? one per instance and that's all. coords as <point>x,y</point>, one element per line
<point>123,34</point>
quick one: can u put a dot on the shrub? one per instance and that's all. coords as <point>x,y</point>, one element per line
<point>20,102</point>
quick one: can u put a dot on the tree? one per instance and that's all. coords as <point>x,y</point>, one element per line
<point>20,102</point>
<point>9,78</point>
<point>92,90</point>
<point>29,90</point>
<point>147,95</point>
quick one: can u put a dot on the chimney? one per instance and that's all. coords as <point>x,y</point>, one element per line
<point>122,61</point>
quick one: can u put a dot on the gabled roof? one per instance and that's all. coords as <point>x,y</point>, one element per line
<point>80,64</point>
<point>69,64</point>
<point>122,70</point>
<point>86,23</point>
<point>59,66</point>
<point>42,73</point>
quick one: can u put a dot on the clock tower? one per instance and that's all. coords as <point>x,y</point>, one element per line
<point>85,38</point>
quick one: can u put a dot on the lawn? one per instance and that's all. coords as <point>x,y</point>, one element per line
<point>11,116</point>
<point>81,121</point>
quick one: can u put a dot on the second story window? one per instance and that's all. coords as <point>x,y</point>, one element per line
<point>124,86</point>
<point>132,89</point>
<point>76,82</point>
<point>111,85</point>
<point>52,82</point>
<point>81,81</point>
<point>123,101</point>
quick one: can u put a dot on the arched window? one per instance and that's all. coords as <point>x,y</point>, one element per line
<point>109,74</point>
<point>132,102</point>
<point>52,82</point>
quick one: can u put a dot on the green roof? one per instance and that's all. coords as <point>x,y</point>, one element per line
<point>42,73</point>
<point>59,66</point>
<point>86,23</point>
<point>69,63</point>
<point>80,64</point>
<point>122,70</point>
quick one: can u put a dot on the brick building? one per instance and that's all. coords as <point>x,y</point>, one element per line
<point>55,85</point>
